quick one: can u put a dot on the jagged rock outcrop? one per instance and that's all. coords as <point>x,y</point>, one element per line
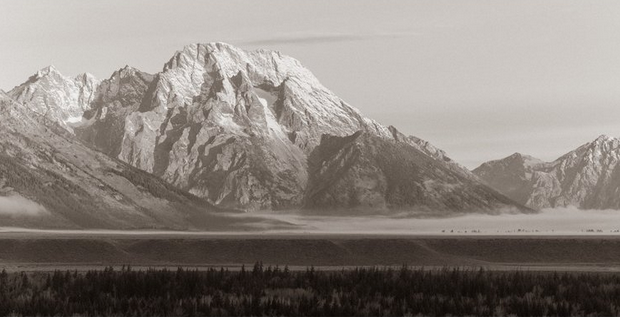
<point>588,177</point>
<point>232,126</point>
<point>235,126</point>
<point>61,99</point>
<point>51,180</point>
<point>369,173</point>
<point>115,98</point>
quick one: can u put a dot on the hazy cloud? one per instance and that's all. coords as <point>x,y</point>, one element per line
<point>16,205</point>
<point>552,221</point>
<point>318,38</point>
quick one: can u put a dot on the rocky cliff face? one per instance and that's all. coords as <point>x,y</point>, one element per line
<point>588,177</point>
<point>60,99</point>
<point>103,122</point>
<point>511,175</point>
<point>51,180</point>
<point>371,174</point>
<point>235,126</point>
<point>232,126</point>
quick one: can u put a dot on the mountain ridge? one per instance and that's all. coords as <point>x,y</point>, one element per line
<point>233,127</point>
<point>587,177</point>
<point>76,187</point>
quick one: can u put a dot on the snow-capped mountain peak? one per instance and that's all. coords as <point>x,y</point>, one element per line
<point>47,71</point>
<point>606,143</point>
<point>228,61</point>
<point>125,71</point>
<point>242,129</point>
<point>604,138</point>
<point>55,96</point>
<point>587,177</point>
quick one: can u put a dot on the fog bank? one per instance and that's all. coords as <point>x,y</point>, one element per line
<point>558,221</point>
<point>18,206</point>
<point>547,222</point>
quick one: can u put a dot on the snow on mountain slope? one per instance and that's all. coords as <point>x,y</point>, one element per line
<point>115,98</point>
<point>56,97</point>
<point>232,126</point>
<point>76,187</point>
<point>587,177</point>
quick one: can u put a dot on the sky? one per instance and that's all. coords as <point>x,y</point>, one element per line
<point>478,79</point>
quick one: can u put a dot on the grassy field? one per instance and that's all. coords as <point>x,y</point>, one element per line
<point>41,251</point>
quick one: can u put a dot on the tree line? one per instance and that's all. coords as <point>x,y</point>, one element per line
<point>275,291</point>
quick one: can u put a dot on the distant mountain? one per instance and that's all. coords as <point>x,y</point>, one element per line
<point>59,98</point>
<point>374,174</point>
<point>241,129</point>
<point>48,179</point>
<point>588,177</point>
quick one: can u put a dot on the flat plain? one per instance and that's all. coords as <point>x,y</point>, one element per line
<point>44,251</point>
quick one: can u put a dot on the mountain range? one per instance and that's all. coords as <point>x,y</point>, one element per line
<point>587,177</point>
<point>50,180</point>
<point>218,129</point>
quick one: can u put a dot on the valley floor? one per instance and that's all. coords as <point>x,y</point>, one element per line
<point>47,251</point>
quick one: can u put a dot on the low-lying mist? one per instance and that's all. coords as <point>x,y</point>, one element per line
<point>546,222</point>
<point>557,221</point>
<point>18,206</point>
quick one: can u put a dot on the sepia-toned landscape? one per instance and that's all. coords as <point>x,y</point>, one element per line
<point>320,158</point>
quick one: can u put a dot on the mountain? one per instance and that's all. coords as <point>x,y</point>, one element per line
<point>511,175</point>
<point>588,177</point>
<point>56,97</point>
<point>240,129</point>
<point>48,179</point>
<point>115,98</point>
<point>374,174</point>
